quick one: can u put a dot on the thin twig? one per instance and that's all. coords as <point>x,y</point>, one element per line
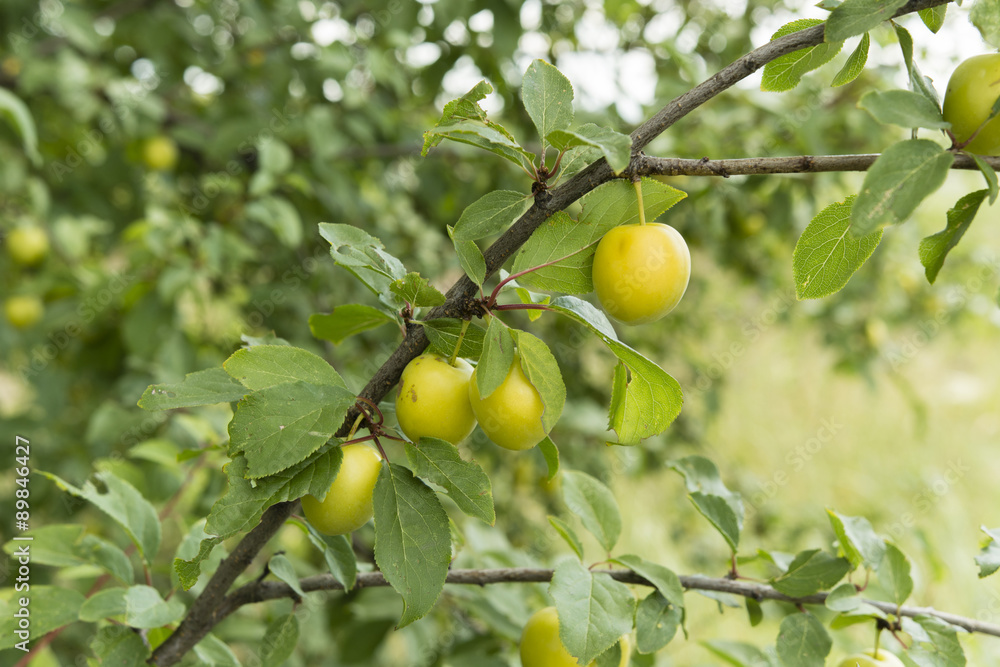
<point>645,165</point>
<point>271,590</point>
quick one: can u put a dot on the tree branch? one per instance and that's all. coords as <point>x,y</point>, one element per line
<point>645,165</point>
<point>260,591</point>
<point>206,611</point>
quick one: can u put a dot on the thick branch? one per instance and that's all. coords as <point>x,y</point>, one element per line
<point>260,591</point>
<point>205,612</point>
<point>793,164</point>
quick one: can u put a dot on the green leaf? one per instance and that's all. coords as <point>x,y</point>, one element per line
<point>614,146</point>
<point>542,371</point>
<point>723,508</point>
<point>988,559</point>
<point>282,568</point>
<point>650,399</point>
<point>439,462</point>
<point>277,427</point>
<point>363,255</point>
<point>548,98</point>
<point>656,623</point>
<point>989,174</point>
<point>785,72</point>
<point>443,335</point>
<point>663,578</point>
<point>551,454</point>
<point>755,613</point>
<point>213,652</point>
<point>346,321</point>
<point>604,208</point>
<point>529,297</point>
<point>918,82</point>
<point>935,248</point>
<point>462,120</point>
<point>412,540</point>
<point>859,543</point>
<point>416,291</point>
<point>559,236</point>
<point>66,545</point>
<point>486,135</point>
<point>594,609</point>
<point>496,359</point>
<point>904,108</point>
<point>245,501</point>
<point>568,534</point>
<point>465,107</point>
<point>123,503</point>
<point>853,17</point>
<point>279,640</point>
<point>16,113</point>
<point>843,598</point>
<point>739,654</point>
<point>50,607</point>
<point>278,215</point>
<point>141,606</point>
<point>470,258</point>
<point>266,366</point>
<point>933,17</point>
<point>986,17</point>
<point>119,645</point>
<point>935,643</point>
<point>894,574</point>
<point>337,552</point>
<point>827,255</point>
<point>721,515</point>
<point>206,387</point>
<point>576,159</point>
<point>189,570</point>
<point>855,64</point>
<point>803,641</point>
<point>811,571</point>
<point>491,214</point>
<point>610,658</point>
<point>594,504</point>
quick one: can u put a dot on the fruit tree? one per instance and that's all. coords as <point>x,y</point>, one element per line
<point>445,333</point>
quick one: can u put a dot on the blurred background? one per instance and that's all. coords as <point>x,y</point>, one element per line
<point>163,169</point>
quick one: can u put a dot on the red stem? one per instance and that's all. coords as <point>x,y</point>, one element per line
<point>514,276</point>
<point>523,306</point>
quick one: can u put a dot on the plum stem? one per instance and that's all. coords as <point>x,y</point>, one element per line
<point>638,193</point>
<point>458,343</point>
<point>354,427</point>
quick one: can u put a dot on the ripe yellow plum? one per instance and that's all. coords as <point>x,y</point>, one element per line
<point>541,646</point>
<point>512,415</point>
<point>348,503</point>
<point>641,271</point>
<point>433,399</point>
<point>972,89</point>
